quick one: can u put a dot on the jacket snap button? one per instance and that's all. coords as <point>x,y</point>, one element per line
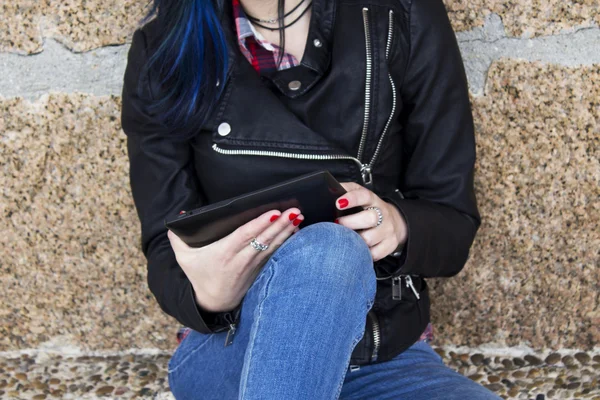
<point>317,43</point>
<point>224,129</point>
<point>294,85</point>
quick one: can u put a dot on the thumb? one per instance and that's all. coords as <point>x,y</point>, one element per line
<point>177,244</point>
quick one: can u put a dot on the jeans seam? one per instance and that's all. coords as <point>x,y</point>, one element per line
<point>354,342</point>
<point>255,328</point>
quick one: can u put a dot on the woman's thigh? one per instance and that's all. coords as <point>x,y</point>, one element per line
<point>417,373</point>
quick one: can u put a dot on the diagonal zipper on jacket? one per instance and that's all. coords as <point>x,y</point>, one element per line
<point>367,168</point>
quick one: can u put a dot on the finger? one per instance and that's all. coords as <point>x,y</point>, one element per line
<point>177,244</point>
<point>361,220</point>
<point>372,236</point>
<point>289,220</point>
<point>283,225</point>
<point>380,250</point>
<point>242,235</point>
<point>284,235</point>
<point>357,197</point>
<point>350,186</point>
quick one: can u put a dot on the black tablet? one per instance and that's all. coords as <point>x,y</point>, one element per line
<point>314,194</point>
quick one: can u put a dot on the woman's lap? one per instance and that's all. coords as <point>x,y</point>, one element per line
<point>203,367</point>
<point>302,291</point>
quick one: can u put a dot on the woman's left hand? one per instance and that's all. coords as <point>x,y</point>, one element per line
<point>383,239</point>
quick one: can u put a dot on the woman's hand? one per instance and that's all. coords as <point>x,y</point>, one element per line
<point>382,239</point>
<point>222,272</point>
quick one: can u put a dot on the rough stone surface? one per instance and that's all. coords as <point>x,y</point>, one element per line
<point>56,69</point>
<point>20,29</point>
<point>33,376</point>
<point>525,18</point>
<point>80,25</point>
<point>533,274</point>
<point>72,271</point>
<point>56,376</point>
<point>84,25</point>
<point>480,47</point>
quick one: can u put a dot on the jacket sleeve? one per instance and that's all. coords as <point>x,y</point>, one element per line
<point>436,195</point>
<point>162,182</point>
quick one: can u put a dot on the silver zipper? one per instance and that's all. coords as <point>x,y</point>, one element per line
<point>369,72</point>
<point>365,169</point>
<point>376,336</point>
<point>231,331</point>
<point>409,284</point>
<point>286,155</point>
<point>394,99</point>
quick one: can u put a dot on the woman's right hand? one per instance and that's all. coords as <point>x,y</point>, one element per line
<point>222,272</point>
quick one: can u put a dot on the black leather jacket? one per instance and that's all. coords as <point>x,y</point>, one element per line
<point>382,101</point>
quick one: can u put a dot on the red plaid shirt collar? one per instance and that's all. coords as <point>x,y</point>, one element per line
<point>260,53</point>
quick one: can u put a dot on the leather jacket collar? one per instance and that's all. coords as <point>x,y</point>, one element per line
<point>316,59</point>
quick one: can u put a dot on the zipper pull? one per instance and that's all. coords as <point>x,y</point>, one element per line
<point>409,283</point>
<point>367,177</point>
<point>230,335</point>
<point>396,288</point>
<point>399,193</point>
<point>231,331</point>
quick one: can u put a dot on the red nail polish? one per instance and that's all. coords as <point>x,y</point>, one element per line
<point>293,216</point>
<point>274,217</point>
<point>337,221</point>
<point>343,203</point>
<point>297,222</point>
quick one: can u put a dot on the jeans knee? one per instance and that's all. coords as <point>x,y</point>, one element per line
<point>334,254</point>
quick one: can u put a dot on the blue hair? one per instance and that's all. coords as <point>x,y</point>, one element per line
<point>191,62</point>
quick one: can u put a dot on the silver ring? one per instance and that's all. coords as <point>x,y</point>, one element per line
<point>379,215</point>
<point>258,246</point>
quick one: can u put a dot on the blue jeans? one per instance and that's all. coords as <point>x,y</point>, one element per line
<point>300,321</point>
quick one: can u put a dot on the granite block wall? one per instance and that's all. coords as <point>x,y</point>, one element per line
<point>71,269</point>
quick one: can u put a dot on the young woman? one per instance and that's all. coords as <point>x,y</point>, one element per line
<point>225,97</point>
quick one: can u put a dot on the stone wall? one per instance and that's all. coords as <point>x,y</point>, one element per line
<point>72,270</point>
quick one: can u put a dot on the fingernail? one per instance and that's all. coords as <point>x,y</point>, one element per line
<point>297,222</point>
<point>337,221</point>
<point>343,203</point>
<point>274,217</point>
<point>293,216</point>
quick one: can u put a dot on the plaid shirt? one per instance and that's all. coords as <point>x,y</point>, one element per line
<point>260,53</point>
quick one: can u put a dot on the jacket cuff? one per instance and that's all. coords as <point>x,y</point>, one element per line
<point>399,254</point>
<point>207,321</point>
<point>403,256</point>
<point>407,257</point>
<point>439,238</point>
